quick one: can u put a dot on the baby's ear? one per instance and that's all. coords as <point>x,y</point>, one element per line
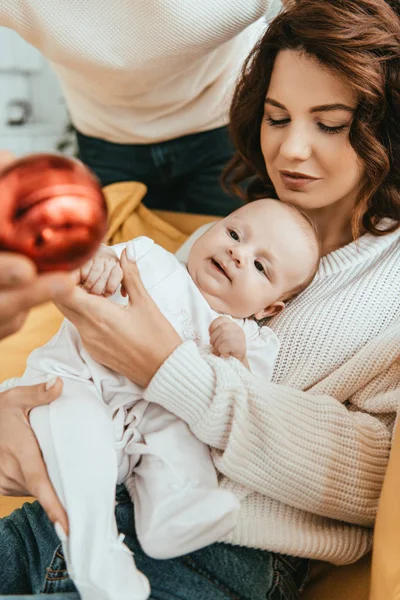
<point>270,311</point>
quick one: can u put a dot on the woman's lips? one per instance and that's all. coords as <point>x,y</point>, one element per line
<point>296,181</point>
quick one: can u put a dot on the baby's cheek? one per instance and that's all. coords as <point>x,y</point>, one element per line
<point>242,301</point>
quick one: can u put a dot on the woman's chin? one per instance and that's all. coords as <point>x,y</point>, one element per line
<point>300,200</point>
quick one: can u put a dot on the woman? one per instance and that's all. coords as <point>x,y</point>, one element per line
<point>316,118</point>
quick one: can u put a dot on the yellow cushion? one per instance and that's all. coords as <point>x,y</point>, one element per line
<point>129,218</point>
<point>385,583</point>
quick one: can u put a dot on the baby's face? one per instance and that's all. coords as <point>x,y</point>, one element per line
<point>244,264</point>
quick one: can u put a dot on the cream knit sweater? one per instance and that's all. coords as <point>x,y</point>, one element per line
<point>142,71</point>
<point>307,453</point>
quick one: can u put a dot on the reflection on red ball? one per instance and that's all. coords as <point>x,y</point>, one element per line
<point>52,210</point>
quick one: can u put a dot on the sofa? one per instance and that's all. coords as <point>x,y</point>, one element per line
<point>128,218</point>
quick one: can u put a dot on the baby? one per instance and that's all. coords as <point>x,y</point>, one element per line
<point>101,431</point>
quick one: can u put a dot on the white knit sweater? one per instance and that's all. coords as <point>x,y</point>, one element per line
<point>308,452</point>
<point>142,71</point>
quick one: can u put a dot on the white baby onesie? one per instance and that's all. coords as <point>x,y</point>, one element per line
<point>101,431</point>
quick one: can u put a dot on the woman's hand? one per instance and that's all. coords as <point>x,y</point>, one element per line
<point>22,470</point>
<point>134,340</point>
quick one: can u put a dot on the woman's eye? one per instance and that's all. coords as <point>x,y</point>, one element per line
<point>336,129</point>
<point>259,266</point>
<point>325,128</point>
<point>234,235</point>
<point>277,122</point>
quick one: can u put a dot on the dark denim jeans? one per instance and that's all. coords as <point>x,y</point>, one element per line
<point>32,565</point>
<point>181,174</point>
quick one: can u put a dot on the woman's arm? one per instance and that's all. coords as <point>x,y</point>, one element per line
<point>22,470</point>
<point>306,449</point>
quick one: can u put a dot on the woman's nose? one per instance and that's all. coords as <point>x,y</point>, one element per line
<point>296,144</point>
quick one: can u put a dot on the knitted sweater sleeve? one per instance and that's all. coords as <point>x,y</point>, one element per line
<point>324,452</point>
<point>9,14</point>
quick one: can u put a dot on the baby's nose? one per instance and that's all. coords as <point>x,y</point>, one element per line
<point>237,255</point>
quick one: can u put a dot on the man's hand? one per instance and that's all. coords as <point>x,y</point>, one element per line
<point>102,274</point>
<point>21,288</point>
<point>228,339</point>
<point>22,470</point>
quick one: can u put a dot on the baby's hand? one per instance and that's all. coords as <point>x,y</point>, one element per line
<point>102,274</point>
<point>228,339</point>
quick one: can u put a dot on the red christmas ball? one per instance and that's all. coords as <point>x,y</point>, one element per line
<point>52,209</point>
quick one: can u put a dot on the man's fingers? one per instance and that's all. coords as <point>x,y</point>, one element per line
<point>15,270</point>
<point>16,299</point>
<point>42,290</point>
<point>12,325</point>
<point>132,281</point>
<point>46,288</point>
<point>6,157</point>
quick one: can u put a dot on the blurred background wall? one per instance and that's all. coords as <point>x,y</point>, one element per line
<point>33,116</point>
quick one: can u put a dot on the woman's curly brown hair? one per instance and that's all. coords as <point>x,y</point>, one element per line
<point>358,40</point>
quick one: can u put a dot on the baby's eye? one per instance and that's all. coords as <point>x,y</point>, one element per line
<point>233,235</point>
<point>259,266</point>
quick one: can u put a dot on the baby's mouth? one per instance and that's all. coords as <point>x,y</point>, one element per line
<point>220,268</point>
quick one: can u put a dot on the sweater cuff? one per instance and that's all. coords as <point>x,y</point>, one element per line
<point>184,384</point>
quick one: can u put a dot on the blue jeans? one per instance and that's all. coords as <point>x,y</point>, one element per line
<point>181,174</point>
<point>32,564</point>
